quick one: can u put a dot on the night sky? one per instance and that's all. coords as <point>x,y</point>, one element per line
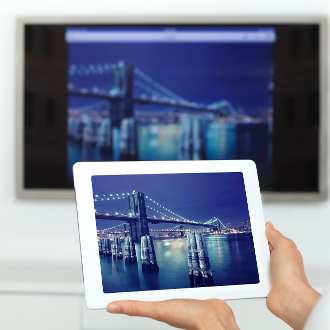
<point>201,72</point>
<point>197,196</point>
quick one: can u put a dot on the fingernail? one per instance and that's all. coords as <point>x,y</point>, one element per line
<point>270,224</point>
<point>114,309</point>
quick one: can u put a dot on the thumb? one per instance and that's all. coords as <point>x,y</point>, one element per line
<point>179,313</point>
<point>272,234</point>
<point>155,310</point>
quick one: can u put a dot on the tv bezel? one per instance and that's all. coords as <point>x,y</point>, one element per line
<point>321,195</point>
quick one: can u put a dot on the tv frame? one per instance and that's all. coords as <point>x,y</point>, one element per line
<point>322,21</point>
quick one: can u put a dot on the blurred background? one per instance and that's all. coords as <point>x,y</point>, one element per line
<point>40,270</point>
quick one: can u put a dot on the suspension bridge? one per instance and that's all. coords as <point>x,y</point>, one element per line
<point>116,128</point>
<point>182,230</point>
<point>125,79</point>
<point>138,220</point>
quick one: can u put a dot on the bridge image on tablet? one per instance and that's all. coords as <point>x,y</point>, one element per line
<point>173,231</point>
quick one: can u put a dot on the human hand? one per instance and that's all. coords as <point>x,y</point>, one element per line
<point>291,297</point>
<point>187,314</point>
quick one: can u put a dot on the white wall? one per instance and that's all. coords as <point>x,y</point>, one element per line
<point>46,231</point>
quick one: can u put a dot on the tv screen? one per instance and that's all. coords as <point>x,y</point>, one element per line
<point>146,92</point>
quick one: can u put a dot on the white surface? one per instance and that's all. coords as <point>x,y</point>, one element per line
<point>39,312</point>
<point>320,318</point>
<point>252,314</point>
<point>41,277</point>
<point>96,298</point>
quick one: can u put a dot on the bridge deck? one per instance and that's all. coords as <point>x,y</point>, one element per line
<point>128,218</point>
<point>109,98</point>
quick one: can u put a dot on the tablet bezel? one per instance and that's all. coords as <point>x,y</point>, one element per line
<point>96,298</point>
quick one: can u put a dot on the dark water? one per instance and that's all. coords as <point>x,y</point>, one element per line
<point>232,259</point>
<point>223,141</point>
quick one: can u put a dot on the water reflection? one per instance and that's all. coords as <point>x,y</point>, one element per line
<point>232,261</point>
<point>162,142</point>
<point>221,141</point>
<point>132,276</point>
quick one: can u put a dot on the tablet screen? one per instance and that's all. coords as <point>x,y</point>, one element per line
<point>173,231</point>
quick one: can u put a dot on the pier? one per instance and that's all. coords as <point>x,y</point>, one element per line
<point>129,251</point>
<point>199,266</point>
<point>148,255</point>
<point>193,138</point>
<point>105,246</point>
<point>117,250</point>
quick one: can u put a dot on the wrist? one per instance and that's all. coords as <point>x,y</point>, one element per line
<point>219,316</point>
<point>296,304</point>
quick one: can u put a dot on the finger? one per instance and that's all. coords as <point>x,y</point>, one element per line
<point>272,234</point>
<point>135,308</point>
<point>160,310</point>
<point>180,313</point>
<point>271,248</point>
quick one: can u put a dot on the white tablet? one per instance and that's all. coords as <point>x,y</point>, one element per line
<point>183,229</point>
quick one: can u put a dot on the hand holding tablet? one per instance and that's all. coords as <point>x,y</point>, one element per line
<point>291,299</point>
<point>190,314</point>
<point>152,231</point>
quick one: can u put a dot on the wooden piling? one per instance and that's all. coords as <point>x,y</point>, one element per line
<point>204,262</point>
<point>107,246</point>
<point>190,268</point>
<point>148,255</point>
<point>117,250</point>
<point>193,140</point>
<point>199,266</point>
<point>152,254</point>
<point>130,253</point>
<point>99,242</point>
<point>104,246</point>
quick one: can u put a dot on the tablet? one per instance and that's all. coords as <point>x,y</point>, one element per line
<point>152,231</point>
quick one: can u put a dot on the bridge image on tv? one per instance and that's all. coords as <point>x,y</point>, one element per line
<point>116,127</point>
<point>125,106</point>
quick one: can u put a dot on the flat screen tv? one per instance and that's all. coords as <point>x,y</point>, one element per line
<point>173,88</point>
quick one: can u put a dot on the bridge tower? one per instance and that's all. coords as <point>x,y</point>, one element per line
<point>137,207</point>
<point>219,226</point>
<point>193,138</point>
<point>182,232</point>
<point>123,124</point>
